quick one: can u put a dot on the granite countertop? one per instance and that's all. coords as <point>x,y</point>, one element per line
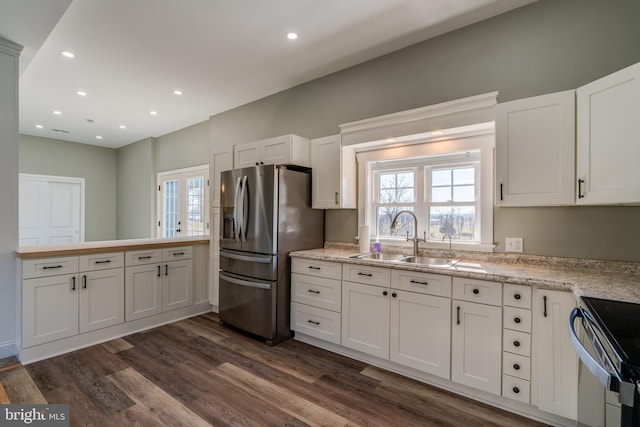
<point>600,279</point>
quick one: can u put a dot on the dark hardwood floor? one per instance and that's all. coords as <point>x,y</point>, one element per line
<point>198,373</point>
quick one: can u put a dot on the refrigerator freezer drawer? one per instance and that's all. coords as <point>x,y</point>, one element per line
<point>248,304</point>
<point>264,267</point>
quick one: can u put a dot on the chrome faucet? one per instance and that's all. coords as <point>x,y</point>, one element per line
<point>415,230</point>
<point>450,250</point>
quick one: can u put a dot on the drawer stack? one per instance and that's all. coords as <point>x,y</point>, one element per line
<point>316,298</point>
<point>516,355</point>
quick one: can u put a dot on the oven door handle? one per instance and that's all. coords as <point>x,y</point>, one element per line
<point>602,375</point>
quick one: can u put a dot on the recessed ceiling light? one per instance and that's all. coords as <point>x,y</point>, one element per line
<point>292,35</point>
<point>123,127</point>
<point>153,113</point>
<point>68,54</point>
<point>81,93</point>
<point>40,126</point>
<point>57,112</point>
<point>437,133</point>
<point>177,92</point>
<point>98,137</point>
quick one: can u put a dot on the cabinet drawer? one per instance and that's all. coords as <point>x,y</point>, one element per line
<point>480,291</point>
<point>100,261</point>
<point>515,388</point>
<point>424,283</point>
<point>151,256</point>
<point>44,267</point>
<point>316,291</point>
<point>316,322</point>
<point>518,319</point>
<point>182,252</point>
<point>328,270</point>
<point>377,276</point>
<point>517,295</point>
<point>516,365</point>
<point>516,342</point>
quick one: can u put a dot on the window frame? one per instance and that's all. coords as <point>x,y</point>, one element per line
<point>481,140</point>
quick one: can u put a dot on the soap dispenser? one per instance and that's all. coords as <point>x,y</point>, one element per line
<point>377,247</point>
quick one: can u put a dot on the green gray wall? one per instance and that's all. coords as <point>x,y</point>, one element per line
<point>547,46</point>
<point>97,165</point>
<point>136,184</point>
<point>184,148</point>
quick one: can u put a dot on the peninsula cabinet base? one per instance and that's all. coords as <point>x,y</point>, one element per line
<point>506,404</point>
<point>75,342</point>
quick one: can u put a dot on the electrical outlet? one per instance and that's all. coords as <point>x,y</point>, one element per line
<point>513,244</point>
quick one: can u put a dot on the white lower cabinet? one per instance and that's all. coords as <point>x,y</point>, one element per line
<point>177,284</point>
<point>143,291</point>
<point>365,318</point>
<point>101,299</point>
<point>557,362</point>
<point>60,306</point>
<point>50,309</point>
<point>476,334</point>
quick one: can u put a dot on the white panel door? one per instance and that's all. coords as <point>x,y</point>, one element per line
<point>51,210</point>
<point>608,139</point>
<point>325,170</point>
<point>476,346</point>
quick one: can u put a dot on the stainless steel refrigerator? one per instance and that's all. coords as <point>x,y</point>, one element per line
<point>265,214</point>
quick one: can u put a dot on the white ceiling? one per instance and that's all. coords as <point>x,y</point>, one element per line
<point>132,54</point>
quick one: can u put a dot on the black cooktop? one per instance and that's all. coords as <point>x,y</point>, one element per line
<point>620,322</point>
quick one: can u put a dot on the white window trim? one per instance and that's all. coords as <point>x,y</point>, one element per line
<point>466,124</point>
<point>159,199</point>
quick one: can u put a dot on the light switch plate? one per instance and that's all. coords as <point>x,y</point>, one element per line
<point>513,244</point>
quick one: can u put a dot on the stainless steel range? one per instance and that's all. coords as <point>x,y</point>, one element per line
<point>611,350</point>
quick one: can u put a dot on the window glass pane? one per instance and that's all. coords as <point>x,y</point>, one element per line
<point>388,180</point>
<point>170,210</point>
<point>464,176</point>
<point>388,196</point>
<point>405,195</point>
<point>458,222</point>
<point>405,180</point>
<point>195,206</point>
<point>385,214</point>
<point>396,187</point>
<point>463,193</point>
<point>440,194</point>
<point>441,177</point>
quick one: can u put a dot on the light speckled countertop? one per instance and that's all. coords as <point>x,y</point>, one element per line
<point>600,279</point>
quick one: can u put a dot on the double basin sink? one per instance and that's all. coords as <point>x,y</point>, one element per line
<point>408,259</point>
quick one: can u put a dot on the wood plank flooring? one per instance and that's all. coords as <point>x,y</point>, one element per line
<point>198,373</point>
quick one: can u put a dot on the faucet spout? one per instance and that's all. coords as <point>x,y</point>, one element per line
<point>415,239</point>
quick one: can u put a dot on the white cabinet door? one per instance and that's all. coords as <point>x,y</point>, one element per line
<point>557,362</point>
<point>275,151</point>
<point>143,291</point>
<point>101,299</point>
<point>49,309</point>
<point>608,139</point>
<point>246,155</point>
<point>420,335</point>
<point>365,318</point>
<point>476,346</point>
<point>535,151</point>
<point>221,160</point>
<point>333,170</point>
<point>177,284</point>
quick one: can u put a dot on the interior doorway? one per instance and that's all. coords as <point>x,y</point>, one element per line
<point>51,210</point>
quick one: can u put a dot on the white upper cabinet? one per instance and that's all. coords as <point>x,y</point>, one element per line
<point>287,149</point>
<point>333,171</point>
<point>221,160</point>
<point>608,139</point>
<point>535,151</point>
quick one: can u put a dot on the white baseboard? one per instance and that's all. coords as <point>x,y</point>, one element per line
<point>7,349</point>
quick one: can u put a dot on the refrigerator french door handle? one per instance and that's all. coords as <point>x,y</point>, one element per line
<point>236,208</point>
<point>245,208</point>
<point>245,282</point>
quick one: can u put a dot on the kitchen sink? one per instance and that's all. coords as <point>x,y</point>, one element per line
<point>409,259</point>
<point>380,257</point>
<point>430,262</point>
